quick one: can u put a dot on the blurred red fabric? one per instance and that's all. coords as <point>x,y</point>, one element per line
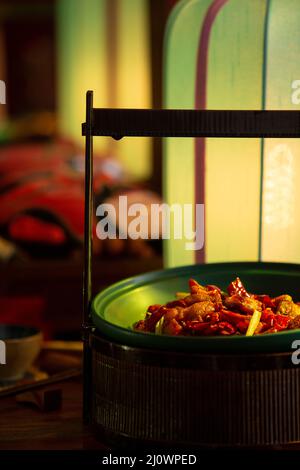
<point>27,311</point>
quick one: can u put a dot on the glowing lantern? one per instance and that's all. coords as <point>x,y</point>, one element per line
<point>232,54</point>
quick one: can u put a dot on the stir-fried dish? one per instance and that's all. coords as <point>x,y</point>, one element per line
<point>207,310</point>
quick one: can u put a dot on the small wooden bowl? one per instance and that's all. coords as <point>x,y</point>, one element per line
<point>20,346</point>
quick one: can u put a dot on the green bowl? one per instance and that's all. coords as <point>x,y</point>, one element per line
<point>117,308</point>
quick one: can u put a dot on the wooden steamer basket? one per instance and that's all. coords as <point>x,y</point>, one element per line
<point>151,390</point>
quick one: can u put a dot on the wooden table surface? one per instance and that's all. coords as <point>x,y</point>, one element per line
<point>24,427</point>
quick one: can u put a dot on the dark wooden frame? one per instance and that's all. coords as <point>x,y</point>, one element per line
<point>118,123</point>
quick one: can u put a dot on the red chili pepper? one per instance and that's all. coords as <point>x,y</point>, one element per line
<point>210,287</point>
<point>242,326</point>
<point>273,321</point>
<point>212,329</point>
<point>197,325</point>
<point>281,321</point>
<point>154,318</point>
<point>207,329</point>
<point>232,317</point>
<point>237,287</point>
<point>267,318</point>
<point>266,301</point>
<point>225,328</point>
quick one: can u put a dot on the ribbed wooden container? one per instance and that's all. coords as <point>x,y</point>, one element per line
<point>182,399</point>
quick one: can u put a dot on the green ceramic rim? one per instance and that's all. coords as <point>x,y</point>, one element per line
<point>276,342</point>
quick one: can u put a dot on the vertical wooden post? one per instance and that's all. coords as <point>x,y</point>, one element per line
<point>88,246</point>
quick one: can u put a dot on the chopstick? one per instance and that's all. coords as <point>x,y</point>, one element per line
<point>56,378</point>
